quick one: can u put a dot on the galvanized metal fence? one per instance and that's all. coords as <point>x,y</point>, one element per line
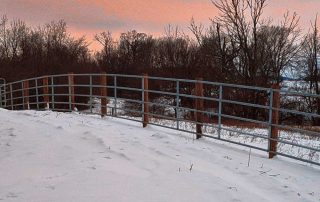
<point>90,93</point>
<point>2,92</point>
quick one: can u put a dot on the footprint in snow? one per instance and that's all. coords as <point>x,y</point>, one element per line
<point>51,187</point>
<point>160,153</point>
<point>92,167</point>
<point>59,127</point>
<point>243,173</point>
<point>121,155</point>
<point>233,188</point>
<point>12,195</point>
<point>227,157</point>
<point>56,176</point>
<point>159,135</point>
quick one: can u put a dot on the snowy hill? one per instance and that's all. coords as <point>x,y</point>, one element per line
<point>50,156</point>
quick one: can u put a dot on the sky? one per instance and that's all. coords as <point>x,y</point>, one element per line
<point>89,17</point>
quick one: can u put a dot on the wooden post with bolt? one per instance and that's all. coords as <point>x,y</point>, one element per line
<point>275,121</point>
<point>71,91</point>
<point>103,93</point>
<point>199,107</point>
<point>146,100</point>
<point>45,92</point>
<point>26,94</point>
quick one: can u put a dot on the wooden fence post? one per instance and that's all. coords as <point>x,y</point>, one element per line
<point>103,93</point>
<point>275,121</point>
<point>46,92</point>
<point>26,94</point>
<point>11,97</point>
<point>146,100</point>
<point>71,91</point>
<point>199,107</point>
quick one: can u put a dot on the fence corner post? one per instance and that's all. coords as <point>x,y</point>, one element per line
<point>103,93</point>
<point>199,107</point>
<point>46,92</point>
<point>71,91</point>
<point>145,100</point>
<point>26,94</point>
<point>274,133</point>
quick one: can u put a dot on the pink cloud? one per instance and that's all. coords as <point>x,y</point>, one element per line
<point>87,17</point>
<point>155,11</point>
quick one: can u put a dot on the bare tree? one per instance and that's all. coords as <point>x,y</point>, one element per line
<point>3,38</point>
<point>197,30</point>
<point>256,62</point>
<point>106,40</point>
<point>279,46</point>
<point>311,49</point>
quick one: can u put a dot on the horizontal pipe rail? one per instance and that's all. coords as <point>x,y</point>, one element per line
<point>45,92</point>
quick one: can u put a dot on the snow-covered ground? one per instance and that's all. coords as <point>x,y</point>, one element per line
<point>50,156</point>
<point>288,146</point>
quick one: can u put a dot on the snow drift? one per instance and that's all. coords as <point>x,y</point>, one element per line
<point>50,156</point>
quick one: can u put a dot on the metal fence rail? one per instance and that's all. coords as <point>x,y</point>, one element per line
<point>89,93</point>
<point>2,92</point>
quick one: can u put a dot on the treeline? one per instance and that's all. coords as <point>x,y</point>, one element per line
<point>239,46</point>
<point>28,52</point>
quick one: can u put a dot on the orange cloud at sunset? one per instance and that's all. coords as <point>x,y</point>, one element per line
<point>88,17</point>
<point>155,11</point>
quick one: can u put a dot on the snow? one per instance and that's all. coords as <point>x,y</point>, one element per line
<point>288,146</point>
<point>51,156</point>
